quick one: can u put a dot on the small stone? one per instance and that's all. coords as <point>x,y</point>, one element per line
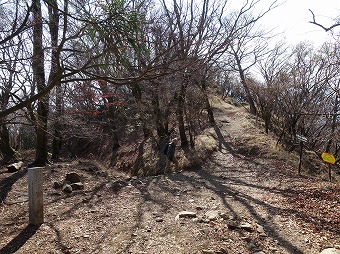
<point>224,216</point>
<point>246,238</point>
<point>57,184</point>
<point>259,252</point>
<point>72,177</point>
<point>77,186</point>
<point>159,219</point>
<point>259,229</point>
<point>204,231</point>
<point>118,184</point>
<point>232,225</point>
<point>208,252</point>
<point>67,188</point>
<point>252,244</point>
<point>211,215</point>
<point>223,251</point>
<point>246,226</point>
<point>186,214</point>
<point>330,251</point>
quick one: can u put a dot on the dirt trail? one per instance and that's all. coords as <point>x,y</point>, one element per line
<point>238,200</point>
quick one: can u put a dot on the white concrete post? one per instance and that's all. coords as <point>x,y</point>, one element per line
<point>35,196</point>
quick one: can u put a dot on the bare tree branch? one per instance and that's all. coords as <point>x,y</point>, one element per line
<point>320,25</point>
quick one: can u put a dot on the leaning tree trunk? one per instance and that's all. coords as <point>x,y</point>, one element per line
<point>41,158</point>
<point>207,103</point>
<point>245,86</point>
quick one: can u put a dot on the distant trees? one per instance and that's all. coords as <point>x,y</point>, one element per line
<point>298,93</point>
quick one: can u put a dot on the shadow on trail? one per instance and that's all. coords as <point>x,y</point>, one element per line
<point>215,185</point>
<point>19,240</point>
<point>148,201</point>
<point>7,183</point>
<point>223,143</point>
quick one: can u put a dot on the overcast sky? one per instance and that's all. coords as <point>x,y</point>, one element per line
<point>293,17</point>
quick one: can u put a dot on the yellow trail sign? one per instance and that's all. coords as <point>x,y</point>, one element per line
<point>328,157</point>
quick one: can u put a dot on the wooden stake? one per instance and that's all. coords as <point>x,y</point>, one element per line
<point>329,172</point>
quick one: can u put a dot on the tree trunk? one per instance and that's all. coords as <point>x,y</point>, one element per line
<point>249,97</point>
<point>41,158</point>
<point>245,85</point>
<point>137,93</point>
<point>180,115</point>
<point>5,148</point>
<point>207,103</point>
<point>109,103</point>
<point>161,133</point>
<point>55,77</point>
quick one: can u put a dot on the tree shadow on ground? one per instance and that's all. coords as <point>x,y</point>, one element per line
<point>7,183</point>
<point>223,143</point>
<point>20,239</point>
<point>216,185</point>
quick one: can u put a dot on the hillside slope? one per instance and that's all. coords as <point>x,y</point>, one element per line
<point>245,198</point>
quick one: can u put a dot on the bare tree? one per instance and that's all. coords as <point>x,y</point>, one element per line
<point>272,68</point>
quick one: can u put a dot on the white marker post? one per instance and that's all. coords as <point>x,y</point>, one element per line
<point>35,196</point>
<point>302,140</point>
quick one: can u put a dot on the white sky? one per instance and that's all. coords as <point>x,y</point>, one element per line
<point>293,16</point>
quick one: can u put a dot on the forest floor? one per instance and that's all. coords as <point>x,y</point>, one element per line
<point>246,198</point>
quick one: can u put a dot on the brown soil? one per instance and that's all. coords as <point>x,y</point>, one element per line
<point>247,180</point>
